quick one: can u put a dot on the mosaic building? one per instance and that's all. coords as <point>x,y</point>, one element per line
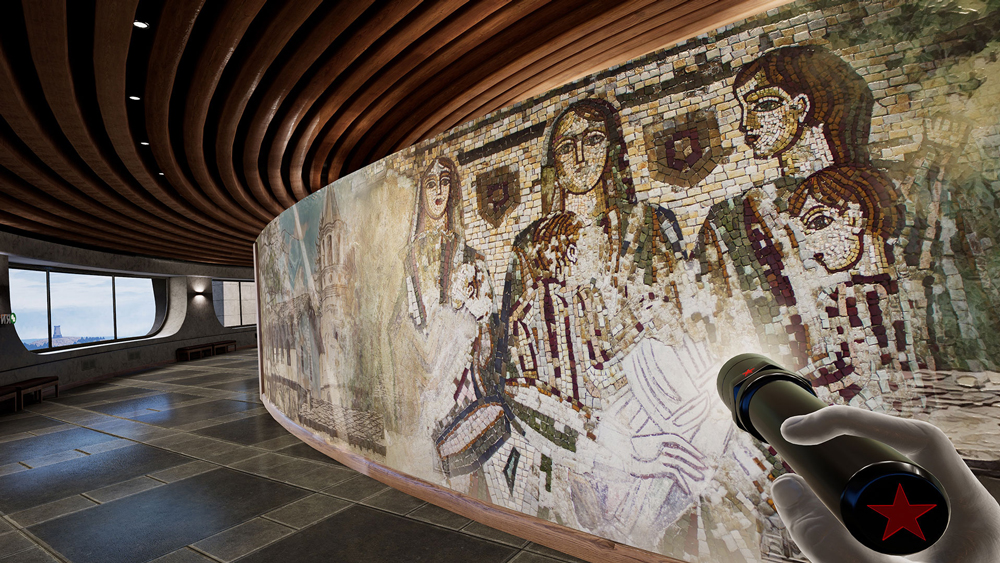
<point>531,309</point>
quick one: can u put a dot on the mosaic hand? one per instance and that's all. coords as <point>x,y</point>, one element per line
<point>973,534</point>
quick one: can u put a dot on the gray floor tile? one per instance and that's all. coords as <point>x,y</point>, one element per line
<point>13,424</point>
<point>123,489</point>
<point>51,459</point>
<point>144,405</point>
<point>260,463</point>
<point>33,555</point>
<point>97,393</point>
<point>306,451</point>
<point>162,520</point>
<point>184,555</point>
<point>484,531</point>
<point>318,478</point>
<point>364,535</point>
<point>14,542</point>
<point>50,510</point>
<point>11,468</point>
<point>52,482</point>
<point>62,426</point>
<point>194,413</point>
<point>549,552</point>
<point>184,471</point>
<point>240,540</point>
<point>5,526</point>
<point>439,516</point>
<point>247,431</point>
<point>529,557</point>
<point>106,446</point>
<point>18,436</point>
<point>313,508</point>
<point>394,501</point>
<point>278,443</point>
<point>357,488</point>
<point>40,446</point>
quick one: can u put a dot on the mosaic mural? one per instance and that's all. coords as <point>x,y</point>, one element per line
<point>532,308</point>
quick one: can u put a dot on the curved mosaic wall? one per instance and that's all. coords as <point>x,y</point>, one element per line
<point>531,309</point>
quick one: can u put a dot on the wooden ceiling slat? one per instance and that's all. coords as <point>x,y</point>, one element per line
<point>48,40</point>
<point>112,33</point>
<point>171,38</point>
<point>357,130</point>
<point>291,17</point>
<point>578,55</point>
<point>251,105</point>
<point>370,32</point>
<point>45,205</point>
<point>629,41</point>
<point>509,51</point>
<point>359,94</point>
<point>325,33</point>
<point>222,41</point>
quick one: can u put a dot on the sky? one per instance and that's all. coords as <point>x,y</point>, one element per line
<point>81,305</point>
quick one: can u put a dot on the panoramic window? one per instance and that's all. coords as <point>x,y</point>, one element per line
<point>58,309</point>
<point>235,302</point>
<point>29,301</point>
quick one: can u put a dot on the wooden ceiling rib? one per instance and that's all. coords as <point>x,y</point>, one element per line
<point>248,106</point>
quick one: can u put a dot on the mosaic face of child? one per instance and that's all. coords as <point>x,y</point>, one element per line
<point>771,117</point>
<point>580,145</point>
<point>832,237</point>
<point>437,187</point>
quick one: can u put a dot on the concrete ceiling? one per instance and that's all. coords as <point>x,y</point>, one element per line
<point>246,107</point>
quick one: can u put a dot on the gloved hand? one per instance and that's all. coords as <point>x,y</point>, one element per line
<point>973,534</point>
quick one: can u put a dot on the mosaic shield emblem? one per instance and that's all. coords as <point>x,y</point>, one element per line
<point>498,193</point>
<point>684,149</point>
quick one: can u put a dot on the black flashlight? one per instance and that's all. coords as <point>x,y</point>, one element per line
<point>888,503</point>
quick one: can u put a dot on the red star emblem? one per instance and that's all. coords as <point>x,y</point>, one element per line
<point>902,515</point>
<point>747,372</point>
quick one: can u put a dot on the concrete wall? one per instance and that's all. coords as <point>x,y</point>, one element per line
<point>190,317</point>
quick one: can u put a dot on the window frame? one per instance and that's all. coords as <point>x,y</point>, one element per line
<point>114,304</point>
<point>239,291</point>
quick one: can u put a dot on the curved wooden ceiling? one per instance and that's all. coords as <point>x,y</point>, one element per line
<point>245,107</point>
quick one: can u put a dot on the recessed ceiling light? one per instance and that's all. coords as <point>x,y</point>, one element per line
<point>140,25</point>
<point>161,173</point>
<point>144,143</point>
<point>134,98</point>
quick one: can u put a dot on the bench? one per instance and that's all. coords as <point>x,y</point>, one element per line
<point>11,392</point>
<point>223,346</point>
<point>204,350</point>
<point>189,352</point>
<point>36,386</point>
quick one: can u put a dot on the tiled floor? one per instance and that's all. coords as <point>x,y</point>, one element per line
<point>183,464</point>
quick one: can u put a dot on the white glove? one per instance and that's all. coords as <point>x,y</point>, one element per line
<point>973,534</point>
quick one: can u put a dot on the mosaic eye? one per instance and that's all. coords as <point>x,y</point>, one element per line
<point>566,147</point>
<point>594,139</point>
<point>819,222</point>
<point>767,104</point>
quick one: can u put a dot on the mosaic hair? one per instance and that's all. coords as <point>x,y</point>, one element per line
<point>839,97</point>
<point>839,186</point>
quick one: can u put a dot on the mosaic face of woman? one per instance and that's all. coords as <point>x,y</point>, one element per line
<point>771,117</point>
<point>580,146</point>
<point>437,187</point>
<point>832,237</point>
